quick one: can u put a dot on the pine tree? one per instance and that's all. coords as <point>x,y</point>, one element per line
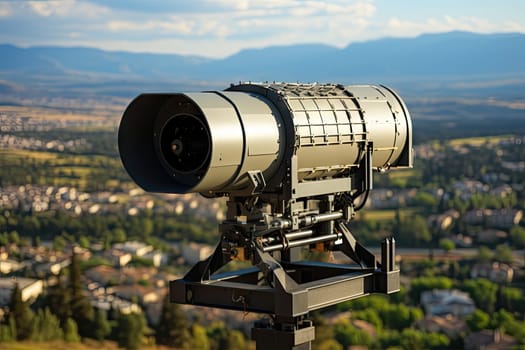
<point>22,315</point>
<point>173,326</point>
<point>81,310</point>
<point>71,331</point>
<point>46,326</point>
<point>101,326</point>
<point>8,331</point>
<point>130,329</point>
<point>58,300</point>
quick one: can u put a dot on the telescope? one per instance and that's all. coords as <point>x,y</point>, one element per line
<point>296,162</point>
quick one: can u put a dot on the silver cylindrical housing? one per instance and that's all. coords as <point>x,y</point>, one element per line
<point>331,129</point>
<point>199,142</point>
<point>251,134</point>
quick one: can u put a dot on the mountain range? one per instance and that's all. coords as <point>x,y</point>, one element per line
<point>454,60</point>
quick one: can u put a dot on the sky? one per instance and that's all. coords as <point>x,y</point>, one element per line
<point>219,28</point>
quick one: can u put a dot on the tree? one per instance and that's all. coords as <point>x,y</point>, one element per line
<point>119,235</point>
<point>36,241</point>
<point>414,230</point>
<point>323,331</point>
<point>71,331</point>
<point>329,344</point>
<point>173,326</point>
<point>369,315</point>
<point>81,310</point>
<point>14,238</point>
<point>505,321</point>
<point>199,338</point>
<point>59,243</point>
<point>413,339</point>
<point>21,314</point>
<point>101,326</point>
<point>46,326</point>
<point>503,254</point>
<point>425,200</point>
<point>446,244</point>
<point>421,284</point>
<point>8,331</point>
<point>223,338</point>
<point>512,299</point>
<point>347,334</point>
<point>478,320</point>
<point>3,237</point>
<point>234,340</point>
<point>217,335</point>
<point>483,292</point>
<point>83,241</point>
<point>484,254</point>
<point>400,316</point>
<point>130,329</point>
<point>517,236</point>
<point>58,300</point>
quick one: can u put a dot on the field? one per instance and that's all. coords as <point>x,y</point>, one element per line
<point>58,169</point>
<point>386,214</point>
<point>478,141</point>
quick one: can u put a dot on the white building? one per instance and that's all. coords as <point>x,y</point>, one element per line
<point>157,257</point>
<point>8,266</point>
<point>195,252</point>
<point>495,272</point>
<point>29,288</point>
<point>134,248</point>
<point>447,302</point>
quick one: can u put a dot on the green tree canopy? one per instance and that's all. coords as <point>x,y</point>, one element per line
<point>478,320</point>
<point>199,338</point>
<point>173,328</point>
<point>503,253</point>
<point>446,244</point>
<point>347,334</point>
<point>21,314</point>
<point>130,330</point>
<point>421,284</point>
<point>101,325</point>
<point>517,236</point>
<point>81,309</point>
<point>46,326</point>
<point>71,331</point>
<point>483,292</point>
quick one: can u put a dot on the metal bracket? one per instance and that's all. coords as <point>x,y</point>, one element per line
<point>258,183</point>
<point>288,289</point>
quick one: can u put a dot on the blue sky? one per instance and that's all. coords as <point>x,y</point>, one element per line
<point>217,28</point>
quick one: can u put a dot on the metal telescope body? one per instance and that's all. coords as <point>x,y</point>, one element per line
<point>296,161</point>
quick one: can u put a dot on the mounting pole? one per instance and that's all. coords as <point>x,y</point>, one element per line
<point>283,334</point>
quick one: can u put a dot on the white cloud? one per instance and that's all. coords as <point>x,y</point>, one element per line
<point>180,27</point>
<point>241,24</point>
<point>5,10</point>
<point>246,5</point>
<point>67,8</point>
<point>514,27</point>
<point>194,26</point>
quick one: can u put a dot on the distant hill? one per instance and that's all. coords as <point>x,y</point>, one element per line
<point>458,59</point>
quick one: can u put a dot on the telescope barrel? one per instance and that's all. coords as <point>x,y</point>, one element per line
<point>243,139</point>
